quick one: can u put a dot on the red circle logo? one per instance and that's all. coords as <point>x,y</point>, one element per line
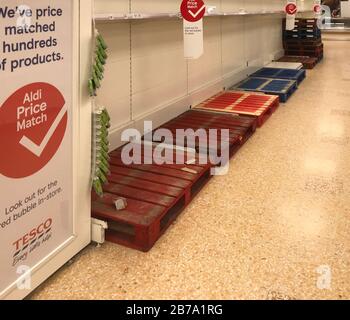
<point>317,8</point>
<point>192,10</point>
<point>33,122</point>
<point>291,8</point>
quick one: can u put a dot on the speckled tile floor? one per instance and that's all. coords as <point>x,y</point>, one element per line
<point>275,227</point>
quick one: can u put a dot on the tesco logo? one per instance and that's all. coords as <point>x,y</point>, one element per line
<point>32,234</point>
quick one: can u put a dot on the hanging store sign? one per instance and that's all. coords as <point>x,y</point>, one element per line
<point>291,10</point>
<point>317,8</point>
<point>36,163</point>
<point>193,12</point>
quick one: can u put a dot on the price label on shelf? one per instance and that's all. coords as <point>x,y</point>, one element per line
<point>193,12</point>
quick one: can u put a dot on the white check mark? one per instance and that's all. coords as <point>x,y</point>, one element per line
<point>39,149</point>
<point>195,15</point>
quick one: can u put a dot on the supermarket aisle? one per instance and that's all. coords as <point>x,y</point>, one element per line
<point>264,230</point>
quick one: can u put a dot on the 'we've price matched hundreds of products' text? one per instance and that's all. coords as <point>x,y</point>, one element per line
<point>27,24</point>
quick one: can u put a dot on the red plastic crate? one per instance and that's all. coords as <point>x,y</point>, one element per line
<point>244,103</point>
<point>155,194</point>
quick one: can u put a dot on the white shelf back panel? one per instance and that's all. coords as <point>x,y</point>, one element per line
<point>253,5</point>
<point>231,6</point>
<point>207,68</point>
<point>253,41</point>
<point>272,37</point>
<point>159,70</point>
<point>111,6</point>
<point>115,90</point>
<point>233,52</point>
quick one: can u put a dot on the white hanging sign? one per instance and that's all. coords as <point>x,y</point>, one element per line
<point>291,10</point>
<point>317,8</point>
<point>193,12</point>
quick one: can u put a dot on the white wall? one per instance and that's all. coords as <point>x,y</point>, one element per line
<point>147,76</point>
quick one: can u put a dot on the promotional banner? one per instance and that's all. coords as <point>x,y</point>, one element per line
<point>193,12</point>
<point>36,210</point>
<point>291,10</point>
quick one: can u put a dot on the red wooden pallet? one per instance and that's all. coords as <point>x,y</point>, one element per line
<point>303,42</point>
<point>308,62</point>
<point>155,195</point>
<point>306,50</point>
<point>309,47</point>
<point>240,129</point>
<point>261,106</point>
<point>294,52</point>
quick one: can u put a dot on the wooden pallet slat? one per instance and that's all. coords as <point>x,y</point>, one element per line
<point>240,129</point>
<point>308,62</point>
<point>243,103</point>
<point>313,54</point>
<point>303,42</point>
<point>155,194</point>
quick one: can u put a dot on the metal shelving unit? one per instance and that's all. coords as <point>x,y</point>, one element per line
<point>110,17</point>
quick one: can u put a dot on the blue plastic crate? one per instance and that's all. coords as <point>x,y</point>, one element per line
<point>281,87</point>
<point>278,73</point>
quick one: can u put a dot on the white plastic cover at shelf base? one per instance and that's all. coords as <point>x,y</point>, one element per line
<point>285,65</point>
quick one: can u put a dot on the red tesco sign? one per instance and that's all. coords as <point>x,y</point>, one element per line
<point>291,8</point>
<point>192,10</point>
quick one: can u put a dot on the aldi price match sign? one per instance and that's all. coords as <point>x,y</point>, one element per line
<point>36,161</point>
